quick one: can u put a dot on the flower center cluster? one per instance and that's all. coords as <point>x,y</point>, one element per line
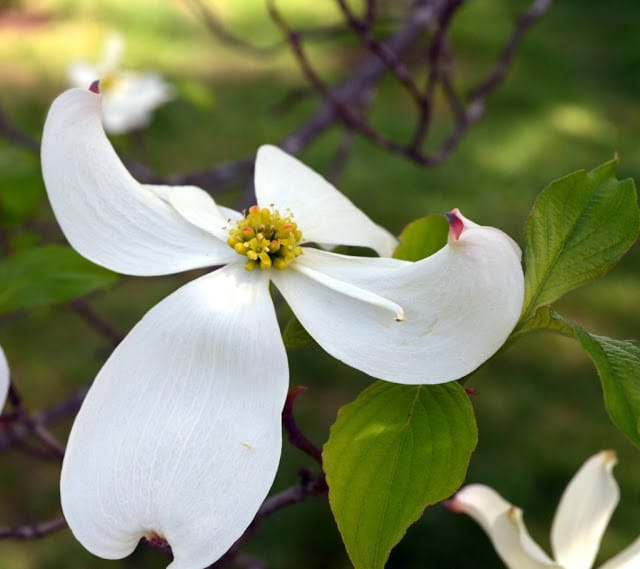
<point>266,238</point>
<point>108,82</point>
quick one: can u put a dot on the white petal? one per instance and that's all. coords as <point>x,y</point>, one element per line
<point>502,522</point>
<point>4,379</point>
<point>459,305</point>
<point>180,433</point>
<point>112,52</point>
<point>584,512</point>
<point>106,215</point>
<point>480,502</point>
<point>131,101</point>
<point>198,208</point>
<point>628,558</point>
<point>322,213</point>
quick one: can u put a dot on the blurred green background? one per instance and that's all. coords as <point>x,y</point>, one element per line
<point>569,102</point>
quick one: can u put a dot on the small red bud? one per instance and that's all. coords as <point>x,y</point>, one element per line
<point>95,87</point>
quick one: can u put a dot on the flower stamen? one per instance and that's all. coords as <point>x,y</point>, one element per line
<point>266,238</point>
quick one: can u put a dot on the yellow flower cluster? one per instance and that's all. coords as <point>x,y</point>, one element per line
<point>266,238</point>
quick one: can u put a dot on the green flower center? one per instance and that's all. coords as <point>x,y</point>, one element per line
<point>266,238</point>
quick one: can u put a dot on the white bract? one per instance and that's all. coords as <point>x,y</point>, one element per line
<point>579,523</point>
<point>179,436</point>
<point>4,379</point>
<point>129,97</point>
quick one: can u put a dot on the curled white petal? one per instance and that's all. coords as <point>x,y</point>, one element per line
<point>106,215</point>
<point>322,213</point>
<point>629,558</point>
<point>502,522</point>
<point>4,379</point>
<point>460,305</point>
<point>584,512</point>
<point>350,290</point>
<point>179,436</point>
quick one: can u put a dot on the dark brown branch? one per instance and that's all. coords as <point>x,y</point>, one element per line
<point>477,101</point>
<point>33,425</point>
<point>218,178</point>
<point>82,308</point>
<point>33,531</point>
<point>435,56</point>
<point>295,436</point>
<point>14,135</point>
<point>222,34</point>
<point>363,29</point>
<point>341,156</point>
<point>536,10</point>
<point>368,73</point>
<point>309,486</point>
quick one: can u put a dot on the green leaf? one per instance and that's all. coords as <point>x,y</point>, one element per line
<point>47,275</point>
<point>617,363</point>
<point>392,452</point>
<point>295,336</point>
<point>422,237</point>
<point>545,318</point>
<point>579,227</point>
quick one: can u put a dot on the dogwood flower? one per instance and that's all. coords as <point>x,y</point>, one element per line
<point>4,379</point>
<point>129,98</point>
<point>179,436</point>
<point>579,523</point>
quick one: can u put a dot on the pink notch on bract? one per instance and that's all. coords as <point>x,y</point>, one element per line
<point>455,223</point>
<point>95,87</point>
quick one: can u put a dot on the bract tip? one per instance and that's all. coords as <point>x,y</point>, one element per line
<point>95,87</point>
<point>455,223</point>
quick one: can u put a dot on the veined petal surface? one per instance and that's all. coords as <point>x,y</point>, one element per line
<point>502,522</point>
<point>322,213</point>
<point>584,512</point>
<point>460,305</point>
<point>200,209</point>
<point>180,433</point>
<point>628,558</point>
<point>4,379</point>
<point>106,215</point>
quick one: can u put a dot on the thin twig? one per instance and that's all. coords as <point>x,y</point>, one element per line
<point>295,436</point>
<point>82,308</point>
<point>435,53</point>
<point>35,427</point>
<point>222,34</point>
<point>363,29</point>
<point>14,135</point>
<point>33,531</point>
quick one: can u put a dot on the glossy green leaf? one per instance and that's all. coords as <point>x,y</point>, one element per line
<point>545,318</point>
<point>422,237</point>
<point>392,452</point>
<point>617,363</point>
<point>47,275</point>
<point>579,227</point>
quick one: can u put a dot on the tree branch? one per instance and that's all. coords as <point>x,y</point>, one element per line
<point>33,531</point>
